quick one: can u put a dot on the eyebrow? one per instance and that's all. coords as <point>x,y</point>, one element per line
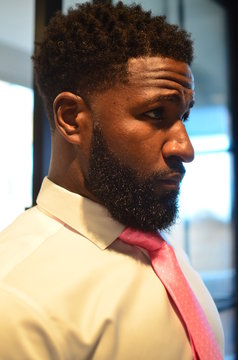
<point>170,97</point>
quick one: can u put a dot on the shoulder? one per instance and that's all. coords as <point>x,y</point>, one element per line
<point>23,237</point>
<point>30,221</point>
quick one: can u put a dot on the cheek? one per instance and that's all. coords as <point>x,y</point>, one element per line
<point>139,148</point>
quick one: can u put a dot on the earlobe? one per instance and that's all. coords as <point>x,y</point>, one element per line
<point>69,109</point>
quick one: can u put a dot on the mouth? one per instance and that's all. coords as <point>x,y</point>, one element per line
<point>172,182</point>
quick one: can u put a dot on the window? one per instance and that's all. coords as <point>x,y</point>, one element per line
<point>15,151</point>
<point>16,112</point>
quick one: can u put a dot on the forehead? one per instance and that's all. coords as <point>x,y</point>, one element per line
<point>150,79</point>
<point>167,75</point>
<point>149,69</point>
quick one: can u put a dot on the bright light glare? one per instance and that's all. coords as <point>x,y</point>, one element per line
<point>15,150</point>
<point>216,142</point>
<point>206,188</point>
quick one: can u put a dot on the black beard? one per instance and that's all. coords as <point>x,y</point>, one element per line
<point>132,202</point>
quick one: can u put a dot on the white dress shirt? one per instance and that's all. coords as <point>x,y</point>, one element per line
<point>71,290</point>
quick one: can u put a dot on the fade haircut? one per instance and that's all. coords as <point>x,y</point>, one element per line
<point>88,49</point>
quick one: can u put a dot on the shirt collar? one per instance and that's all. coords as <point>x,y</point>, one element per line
<point>87,217</point>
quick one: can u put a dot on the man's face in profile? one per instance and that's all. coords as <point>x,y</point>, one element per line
<point>139,143</point>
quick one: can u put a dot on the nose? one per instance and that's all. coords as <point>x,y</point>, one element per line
<point>177,143</point>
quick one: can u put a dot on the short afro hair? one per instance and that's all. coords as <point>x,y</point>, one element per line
<point>88,49</point>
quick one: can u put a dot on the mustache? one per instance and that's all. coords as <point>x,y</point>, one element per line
<point>177,169</point>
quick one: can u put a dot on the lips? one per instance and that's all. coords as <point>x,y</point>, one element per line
<point>172,181</point>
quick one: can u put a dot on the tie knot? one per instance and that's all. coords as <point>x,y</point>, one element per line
<point>147,240</point>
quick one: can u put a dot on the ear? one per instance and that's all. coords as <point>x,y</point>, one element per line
<point>70,114</point>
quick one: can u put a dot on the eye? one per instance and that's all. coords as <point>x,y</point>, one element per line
<point>155,114</point>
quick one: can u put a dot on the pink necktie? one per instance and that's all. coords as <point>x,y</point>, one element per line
<point>165,265</point>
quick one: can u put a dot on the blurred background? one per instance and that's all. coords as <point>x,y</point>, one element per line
<point>207,226</point>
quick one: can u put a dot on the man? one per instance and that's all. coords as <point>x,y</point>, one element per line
<point>117,87</point>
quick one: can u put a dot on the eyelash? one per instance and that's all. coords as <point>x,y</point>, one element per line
<point>159,115</point>
<point>186,117</point>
